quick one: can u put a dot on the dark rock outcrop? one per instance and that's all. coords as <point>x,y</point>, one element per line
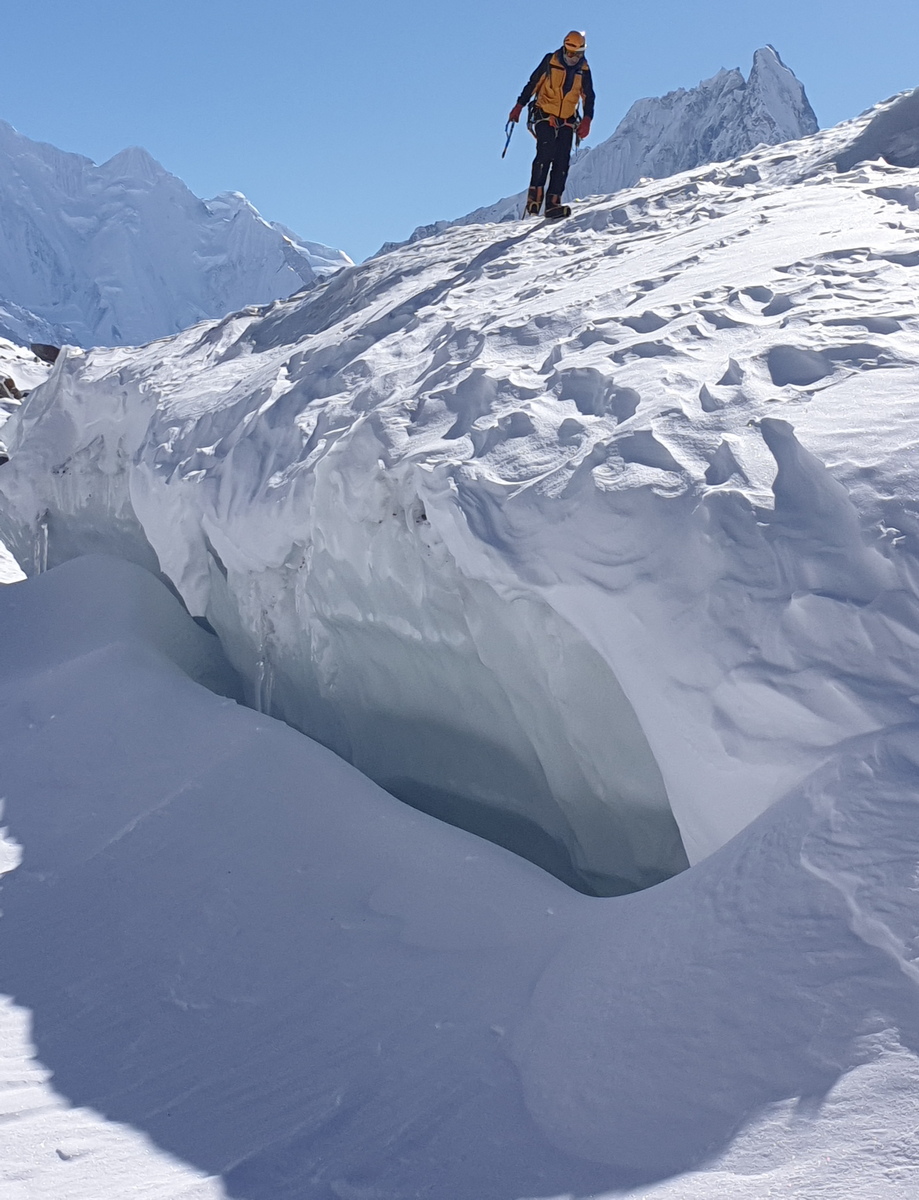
<point>44,352</point>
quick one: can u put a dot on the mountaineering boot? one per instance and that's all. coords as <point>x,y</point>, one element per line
<point>534,201</point>
<point>555,209</point>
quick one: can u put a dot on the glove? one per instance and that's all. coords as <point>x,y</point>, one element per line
<point>584,128</point>
<point>515,113</point>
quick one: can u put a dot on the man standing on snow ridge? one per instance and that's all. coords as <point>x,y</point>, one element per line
<point>557,86</point>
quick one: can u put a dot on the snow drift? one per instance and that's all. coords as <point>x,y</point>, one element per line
<point>297,988</point>
<point>595,539</point>
<point>123,252</point>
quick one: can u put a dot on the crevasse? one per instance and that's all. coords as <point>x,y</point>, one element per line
<point>546,528</point>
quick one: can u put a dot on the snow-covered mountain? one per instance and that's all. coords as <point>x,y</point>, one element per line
<point>600,538</point>
<point>123,253</point>
<point>724,117</point>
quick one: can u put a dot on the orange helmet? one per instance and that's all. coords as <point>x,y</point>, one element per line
<point>575,42</point>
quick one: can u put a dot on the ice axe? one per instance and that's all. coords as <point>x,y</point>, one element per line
<point>509,130</point>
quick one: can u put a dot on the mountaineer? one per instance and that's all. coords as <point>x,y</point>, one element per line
<point>555,92</point>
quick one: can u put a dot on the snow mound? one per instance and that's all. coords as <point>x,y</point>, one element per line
<point>595,539</point>
<point>226,940</point>
<point>724,117</point>
<point>124,252</point>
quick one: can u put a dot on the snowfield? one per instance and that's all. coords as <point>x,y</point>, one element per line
<point>598,538</point>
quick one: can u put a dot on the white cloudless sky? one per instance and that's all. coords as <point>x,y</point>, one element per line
<point>354,121</point>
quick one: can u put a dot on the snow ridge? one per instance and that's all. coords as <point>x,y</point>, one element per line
<point>123,253</point>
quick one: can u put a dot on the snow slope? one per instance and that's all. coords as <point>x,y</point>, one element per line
<point>124,252</point>
<point>594,538</point>
<point>247,972</point>
<point>724,117</point>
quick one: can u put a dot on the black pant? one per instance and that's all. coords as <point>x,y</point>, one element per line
<point>553,149</point>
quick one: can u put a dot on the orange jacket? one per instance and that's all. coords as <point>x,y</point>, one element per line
<point>558,88</point>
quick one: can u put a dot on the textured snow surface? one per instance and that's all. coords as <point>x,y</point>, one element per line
<point>124,252</point>
<point>239,969</point>
<point>724,117</point>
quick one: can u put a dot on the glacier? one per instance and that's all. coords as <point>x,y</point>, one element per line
<point>721,119</point>
<point>552,532</point>
<point>600,539</point>
<point>124,252</point>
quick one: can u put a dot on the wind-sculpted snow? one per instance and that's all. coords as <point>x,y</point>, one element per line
<point>124,252</point>
<point>577,535</point>
<point>239,969</point>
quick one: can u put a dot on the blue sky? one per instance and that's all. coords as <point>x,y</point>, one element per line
<point>352,122</point>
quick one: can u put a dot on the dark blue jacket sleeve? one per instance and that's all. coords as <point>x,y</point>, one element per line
<point>534,79</point>
<point>587,87</point>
